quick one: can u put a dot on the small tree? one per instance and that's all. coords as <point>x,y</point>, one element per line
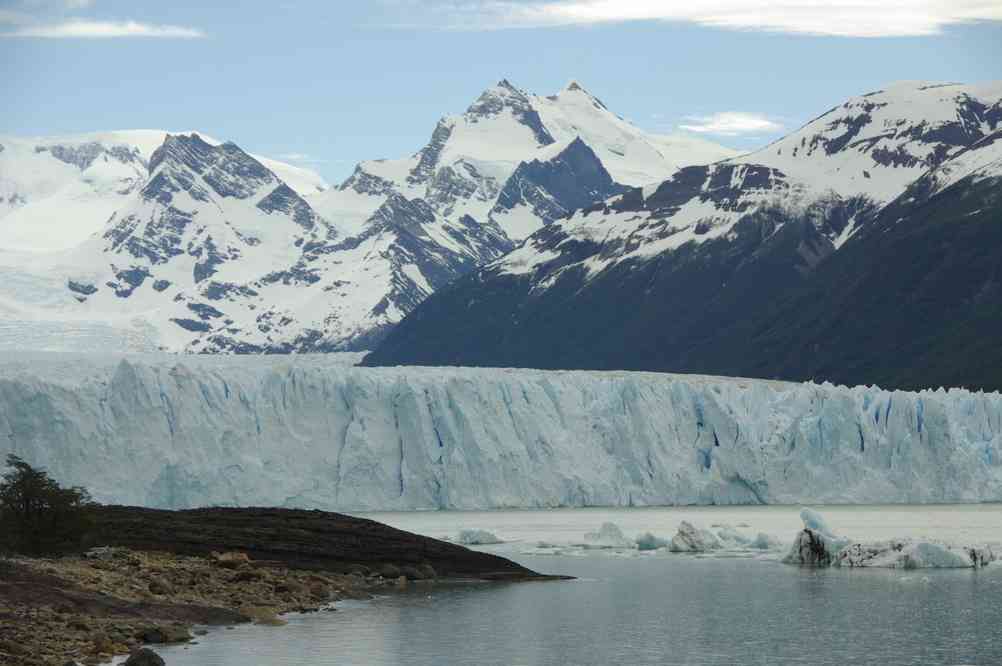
<point>37,515</point>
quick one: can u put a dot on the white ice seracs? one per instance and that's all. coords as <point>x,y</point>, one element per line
<point>309,431</point>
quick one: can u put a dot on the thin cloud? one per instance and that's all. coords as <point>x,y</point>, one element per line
<point>83,29</point>
<point>303,158</point>
<point>732,123</point>
<point>294,157</point>
<point>841,18</point>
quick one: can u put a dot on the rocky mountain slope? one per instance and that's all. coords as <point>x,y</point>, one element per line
<point>57,191</point>
<point>202,247</point>
<point>761,264</point>
<point>470,157</point>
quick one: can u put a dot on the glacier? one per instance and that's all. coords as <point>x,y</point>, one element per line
<point>314,431</point>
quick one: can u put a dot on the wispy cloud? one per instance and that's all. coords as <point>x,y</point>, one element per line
<point>304,158</point>
<point>62,19</point>
<point>843,18</point>
<point>294,157</point>
<point>83,29</point>
<point>731,123</point>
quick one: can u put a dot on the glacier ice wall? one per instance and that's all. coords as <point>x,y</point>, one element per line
<point>310,431</point>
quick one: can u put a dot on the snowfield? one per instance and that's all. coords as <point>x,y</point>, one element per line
<point>313,431</point>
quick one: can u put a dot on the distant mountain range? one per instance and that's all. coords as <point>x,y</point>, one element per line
<point>539,232</point>
<point>142,240</point>
<point>862,248</point>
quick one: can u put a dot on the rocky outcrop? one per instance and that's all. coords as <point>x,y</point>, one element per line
<point>297,539</point>
<point>144,657</point>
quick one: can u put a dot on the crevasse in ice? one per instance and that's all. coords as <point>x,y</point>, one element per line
<point>308,432</point>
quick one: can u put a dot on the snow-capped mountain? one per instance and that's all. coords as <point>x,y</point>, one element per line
<point>676,276</point>
<point>470,157</point>
<point>195,245</point>
<point>215,253</point>
<point>57,191</point>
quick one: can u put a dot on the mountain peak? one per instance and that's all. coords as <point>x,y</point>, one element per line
<point>577,89</point>
<point>225,168</point>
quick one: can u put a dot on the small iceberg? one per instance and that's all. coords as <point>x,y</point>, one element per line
<point>648,541</point>
<point>608,536</point>
<point>817,546</point>
<point>763,541</point>
<point>474,537</point>
<point>692,539</point>
<point>732,537</point>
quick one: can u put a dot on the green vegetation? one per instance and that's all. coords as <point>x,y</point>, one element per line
<point>37,515</point>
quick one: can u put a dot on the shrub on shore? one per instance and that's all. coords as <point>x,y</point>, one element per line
<point>37,515</point>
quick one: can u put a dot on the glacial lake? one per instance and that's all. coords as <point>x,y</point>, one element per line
<point>654,607</point>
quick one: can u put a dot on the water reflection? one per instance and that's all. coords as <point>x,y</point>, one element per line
<point>656,610</point>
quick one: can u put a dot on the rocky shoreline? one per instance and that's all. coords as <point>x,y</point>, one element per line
<point>154,576</point>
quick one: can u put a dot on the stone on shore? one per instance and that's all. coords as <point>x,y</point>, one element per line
<point>144,657</point>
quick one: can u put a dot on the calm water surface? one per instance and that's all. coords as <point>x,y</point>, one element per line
<point>657,608</point>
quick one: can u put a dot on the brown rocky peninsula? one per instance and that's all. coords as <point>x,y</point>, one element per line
<point>149,576</point>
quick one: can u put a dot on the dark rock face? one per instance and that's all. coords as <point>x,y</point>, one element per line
<point>129,280</point>
<point>84,155</point>
<point>911,301</point>
<point>452,184</point>
<point>81,288</point>
<point>192,325</point>
<point>229,171</point>
<point>204,312</point>
<point>643,314</point>
<point>973,122</point>
<point>296,538</point>
<point>366,183</point>
<point>145,657</point>
<point>283,199</point>
<point>572,180</point>
<point>430,154</point>
<point>406,219</point>
<point>217,291</point>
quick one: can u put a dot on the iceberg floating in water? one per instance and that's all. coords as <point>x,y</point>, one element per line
<point>609,535</point>
<point>817,546</point>
<point>648,541</point>
<point>763,541</point>
<point>813,521</point>
<point>305,431</point>
<point>475,537</point>
<point>692,539</point>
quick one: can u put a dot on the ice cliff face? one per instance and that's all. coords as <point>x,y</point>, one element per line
<point>305,431</point>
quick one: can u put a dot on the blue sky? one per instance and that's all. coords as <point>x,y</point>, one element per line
<point>327,84</point>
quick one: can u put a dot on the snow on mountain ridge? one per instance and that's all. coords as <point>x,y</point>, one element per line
<point>470,157</point>
<point>847,163</point>
<point>56,191</point>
